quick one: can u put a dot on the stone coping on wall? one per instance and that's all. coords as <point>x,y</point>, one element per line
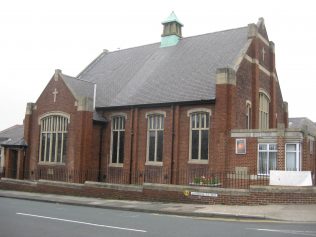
<point>282,189</point>
<point>19,181</point>
<point>122,187</point>
<point>59,183</point>
<point>193,188</point>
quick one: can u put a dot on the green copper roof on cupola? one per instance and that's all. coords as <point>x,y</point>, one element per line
<point>172,18</point>
<point>172,32</point>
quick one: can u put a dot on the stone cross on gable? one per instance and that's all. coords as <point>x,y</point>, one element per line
<point>263,53</point>
<point>55,92</point>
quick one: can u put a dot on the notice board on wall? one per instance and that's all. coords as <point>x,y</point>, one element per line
<point>291,178</point>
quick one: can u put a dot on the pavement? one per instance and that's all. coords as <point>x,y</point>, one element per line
<point>287,213</point>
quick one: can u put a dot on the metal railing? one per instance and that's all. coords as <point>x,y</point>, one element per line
<point>151,174</point>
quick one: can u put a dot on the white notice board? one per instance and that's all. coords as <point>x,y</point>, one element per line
<point>290,178</point>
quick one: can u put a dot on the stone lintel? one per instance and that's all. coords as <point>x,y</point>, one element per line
<point>225,76</point>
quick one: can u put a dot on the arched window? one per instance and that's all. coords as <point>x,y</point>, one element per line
<point>53,139</point>
<point>264,101</point>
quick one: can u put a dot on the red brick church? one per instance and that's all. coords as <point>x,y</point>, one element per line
<point>167,112</point>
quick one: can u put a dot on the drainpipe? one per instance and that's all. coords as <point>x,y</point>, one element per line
<point>24,162</point>
<point>100,152</point>
<point>172,144</point>
<point>131,146</point>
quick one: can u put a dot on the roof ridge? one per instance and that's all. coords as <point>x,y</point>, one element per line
<point>79,79</point>
<point>134,47</point>
<point>87,68</point>
<point>98,58</point>
<point>215,32</point>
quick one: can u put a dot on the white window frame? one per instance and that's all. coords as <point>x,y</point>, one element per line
<point>199,112</point>
<point>241,141</point>
<point>53,124</point>
<point>117,125</point>
<point>264,104</point>
<point>297,155</point>
<point>159,116</point>
<point>268,151</point>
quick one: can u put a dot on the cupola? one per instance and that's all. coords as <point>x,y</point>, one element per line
<point>172,31</point>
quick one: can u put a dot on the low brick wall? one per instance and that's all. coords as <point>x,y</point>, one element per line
<point>256,195</point>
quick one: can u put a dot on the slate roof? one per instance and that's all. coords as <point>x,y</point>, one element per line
<point>12,136</point>
<point>304,124</point>
<point>79,88</point>
<point>152,75</point>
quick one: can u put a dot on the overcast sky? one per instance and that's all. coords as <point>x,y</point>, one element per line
<point>38,37</point>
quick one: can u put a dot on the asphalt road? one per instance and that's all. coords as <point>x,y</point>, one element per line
<point>21,218</point>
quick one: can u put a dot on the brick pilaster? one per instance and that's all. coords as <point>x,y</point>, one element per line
<point>225,117</point>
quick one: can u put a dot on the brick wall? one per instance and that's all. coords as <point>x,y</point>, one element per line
<point>171,193</point>
<point>175,144</point>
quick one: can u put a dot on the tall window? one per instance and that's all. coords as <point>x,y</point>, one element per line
<point>263,111</point>
<point>248,115</point>
<point>118,135</point>
<point>292,160</point>
<point>199,135</point>
<point>53,141</point>
<point>267,158</point>
<point>155,137</point>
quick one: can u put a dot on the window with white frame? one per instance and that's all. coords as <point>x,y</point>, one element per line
<point>292,156</point>
<point>117,139</point>
<point>263,111</point>
<point>267,158</point>
<point>53,139</point>
<point>311,147</point>
<point>155,137</point>
<point>199,135</point>
<point>240,146</point>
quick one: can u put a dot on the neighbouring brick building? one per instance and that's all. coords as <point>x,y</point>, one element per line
<point>168,112</point>
<point>12,151</point>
